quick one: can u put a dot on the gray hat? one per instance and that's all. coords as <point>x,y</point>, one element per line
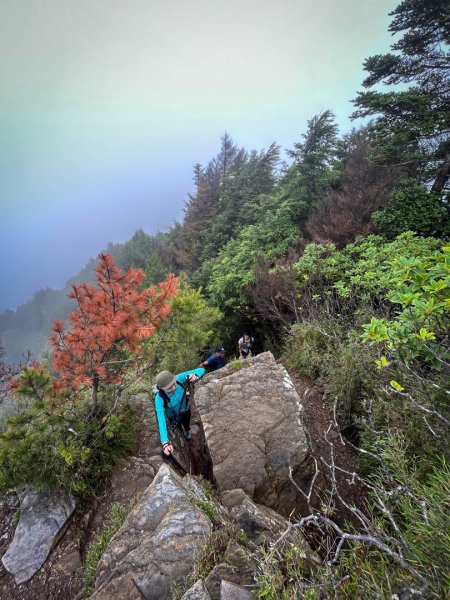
<point>165,380</point>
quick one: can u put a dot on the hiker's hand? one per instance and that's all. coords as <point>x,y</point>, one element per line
<point>193,377</point>
<point>167,449</point>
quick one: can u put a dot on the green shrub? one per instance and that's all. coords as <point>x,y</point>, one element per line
<point>236,364</point>
<point>306,350</point>
<point>420,288</point>
<point>72,450</point>
<point>412,208</point>
<point>333,358</point>
<point>422,515</point>
<point>390,378</point>
<point>188,328</point>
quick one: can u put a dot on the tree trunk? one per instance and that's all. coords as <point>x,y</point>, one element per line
<point>95,391</point>
<point>442,176</point>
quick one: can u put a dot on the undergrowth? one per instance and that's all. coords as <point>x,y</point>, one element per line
<point>71,450</point>
<point>101,541</point>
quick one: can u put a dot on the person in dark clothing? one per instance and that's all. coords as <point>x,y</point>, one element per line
<point>216,360</point>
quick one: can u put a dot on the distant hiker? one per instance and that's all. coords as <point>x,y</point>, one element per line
<point>216,360</point>
<point>172,399</point>
<point>245,345</point>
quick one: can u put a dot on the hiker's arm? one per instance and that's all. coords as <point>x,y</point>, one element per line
<point>160,414</point>
<point>182,377</point>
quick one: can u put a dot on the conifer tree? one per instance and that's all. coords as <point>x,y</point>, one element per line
<point>108,327</point>
<point>413,124</point>
<point>314,168</point>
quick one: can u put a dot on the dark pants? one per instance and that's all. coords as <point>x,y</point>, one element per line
<point>182,420</point>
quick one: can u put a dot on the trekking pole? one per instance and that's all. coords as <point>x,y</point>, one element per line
<point>171,458</point>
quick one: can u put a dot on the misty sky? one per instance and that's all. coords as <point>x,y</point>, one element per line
<point>106,105</point>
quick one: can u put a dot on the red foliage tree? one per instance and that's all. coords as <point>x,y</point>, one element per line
<point>108,326</point>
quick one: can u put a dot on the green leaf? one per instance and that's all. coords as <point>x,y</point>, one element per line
<point>396,386</point>
<point>382,362</point>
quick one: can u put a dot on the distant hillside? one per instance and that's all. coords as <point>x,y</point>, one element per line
<point>27,328</point>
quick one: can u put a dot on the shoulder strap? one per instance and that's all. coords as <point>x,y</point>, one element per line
<point>166,398</point>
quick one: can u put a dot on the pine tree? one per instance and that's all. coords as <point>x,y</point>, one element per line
<point>414,124</point>
<point>108,327</point>
<point>313,170</point>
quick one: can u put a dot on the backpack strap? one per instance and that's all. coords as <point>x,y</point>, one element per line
<point>166,399</point>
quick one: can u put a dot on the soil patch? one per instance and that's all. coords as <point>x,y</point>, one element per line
<point>328,445</point>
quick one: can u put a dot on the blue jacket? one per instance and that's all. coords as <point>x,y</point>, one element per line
<point>215,362</point>
<point>173,407</point>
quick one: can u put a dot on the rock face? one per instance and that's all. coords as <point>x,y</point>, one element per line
<point>42,518</point>
<point>156,546</point>
<point>253,429</point>
<point>262,525</point>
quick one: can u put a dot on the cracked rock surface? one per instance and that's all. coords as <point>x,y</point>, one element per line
<point>42,518</point>
<point>252,420</point>
<point>156,546</point>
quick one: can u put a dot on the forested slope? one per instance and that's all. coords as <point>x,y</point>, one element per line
<point>338,261</point>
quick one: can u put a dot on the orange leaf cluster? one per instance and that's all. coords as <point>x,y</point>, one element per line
<point>110,319</point>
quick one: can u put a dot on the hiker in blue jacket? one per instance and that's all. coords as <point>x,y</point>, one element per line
<point>172,399</point>
<point>216,360</point>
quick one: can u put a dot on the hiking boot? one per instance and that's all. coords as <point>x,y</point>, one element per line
<point>187,434</point>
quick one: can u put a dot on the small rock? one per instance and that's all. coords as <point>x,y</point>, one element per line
<point>122,463</point>
<point>148,470</point>
<point>156,461</point>
<point>69,564</point>
<point>42,517</point>
<point>143,482</point>
<point>231,591</point>
<point>87,519</point>
<point>197,592</point>
<point>232,498</point>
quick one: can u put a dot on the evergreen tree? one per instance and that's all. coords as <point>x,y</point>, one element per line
<point>199,212</point>
<point>314,168</point>
<point>414,124</point>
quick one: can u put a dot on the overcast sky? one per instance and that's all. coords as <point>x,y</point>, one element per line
<point>106,105</point>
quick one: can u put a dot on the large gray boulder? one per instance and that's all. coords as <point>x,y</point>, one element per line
<point>253,428</point>
<point>43,516</point>
<point>156,546</point>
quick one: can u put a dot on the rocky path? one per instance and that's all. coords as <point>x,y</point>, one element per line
<point>61,576</point>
